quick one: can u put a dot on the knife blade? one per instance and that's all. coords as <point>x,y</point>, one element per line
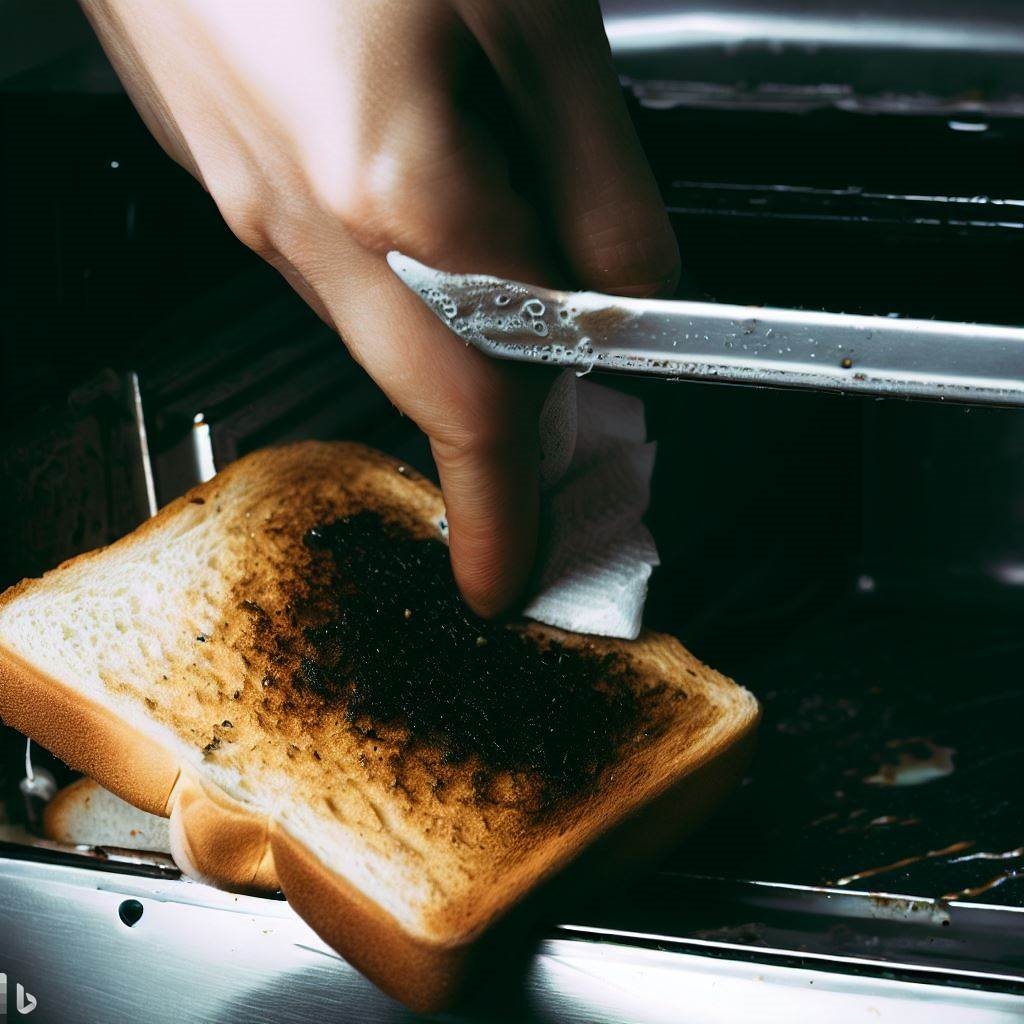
<point>753,345</point>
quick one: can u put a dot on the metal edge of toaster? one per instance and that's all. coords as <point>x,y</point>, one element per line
<point>176,934</point>
<point>795,908</point>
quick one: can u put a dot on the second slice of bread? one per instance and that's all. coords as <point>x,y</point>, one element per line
<point>84,813</point>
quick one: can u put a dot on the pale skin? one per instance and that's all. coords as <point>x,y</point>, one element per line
<point>331,131</point>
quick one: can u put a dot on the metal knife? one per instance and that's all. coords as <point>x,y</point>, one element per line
<point>755,345</point>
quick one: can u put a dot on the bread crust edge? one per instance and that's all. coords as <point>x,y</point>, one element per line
<point>219,840</point>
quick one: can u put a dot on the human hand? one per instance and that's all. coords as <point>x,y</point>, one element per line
<point>330,132</point>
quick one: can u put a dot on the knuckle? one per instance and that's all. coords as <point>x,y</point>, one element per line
<point>361,207</point>
<point>635,266</point>
<point>244,206</point>
<point>627,246</point>
<point>365,206</point>
<point>384,206</point>
<point>464,443</point>
<point>493,436</point>
<point>457,444</point>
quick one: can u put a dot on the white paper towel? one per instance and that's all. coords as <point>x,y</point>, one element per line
<point>596,554</point>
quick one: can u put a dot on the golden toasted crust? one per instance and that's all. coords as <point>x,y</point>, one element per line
<point>87,736</point>
<point>215,836</point>
<point>424,975</point>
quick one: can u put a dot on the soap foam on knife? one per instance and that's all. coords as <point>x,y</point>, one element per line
<point>503,316</point>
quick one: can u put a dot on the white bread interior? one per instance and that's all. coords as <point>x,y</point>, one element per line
<point>84,813</point>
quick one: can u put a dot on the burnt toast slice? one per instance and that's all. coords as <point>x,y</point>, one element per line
<point>279,663</point>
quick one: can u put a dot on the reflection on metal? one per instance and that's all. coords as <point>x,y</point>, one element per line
<point>974,891</point>
<point>917,56</point>
<point>797,200</point>
<point>145,461</point>
<point>202,449</point>
<point>606,985</point>
<point>674,30</point>
<point>28,846</point>
<point>666,94</point>
<point>903,862</point>
<point>884,356</point>
<point>913,762</point>
<point>174,935</point>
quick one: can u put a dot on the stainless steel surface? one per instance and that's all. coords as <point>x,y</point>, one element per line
<point>854,53</point>
<point>885,356</point>
<point>193,953</point>
<point>649,25</point>
<point>202,449</point>
<point>145,461</point>
<point>28,846</point>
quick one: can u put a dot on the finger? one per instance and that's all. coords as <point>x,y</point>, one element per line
<point>480,416</point>
<point>555,64</point>
<point>490,484</point>
<point>444,201</point>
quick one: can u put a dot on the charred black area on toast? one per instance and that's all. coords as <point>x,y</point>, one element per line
<point>388,638</point>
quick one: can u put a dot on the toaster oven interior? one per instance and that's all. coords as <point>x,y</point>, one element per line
<point>857,563</point>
